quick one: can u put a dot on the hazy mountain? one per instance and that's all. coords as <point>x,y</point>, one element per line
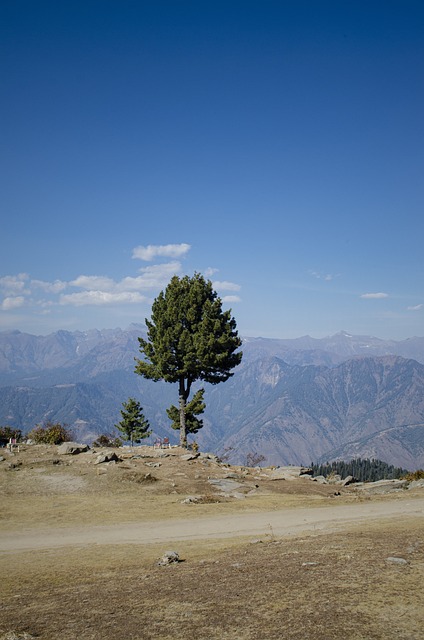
<point>294,414</point>
<point>292,401</point>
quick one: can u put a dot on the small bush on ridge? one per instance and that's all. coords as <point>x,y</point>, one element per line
<point>414,475</point>
<point>51,433</point>
<point>105,440</point>
<point>6,433</point>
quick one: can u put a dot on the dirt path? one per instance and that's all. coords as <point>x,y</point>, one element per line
<point>282,522</point>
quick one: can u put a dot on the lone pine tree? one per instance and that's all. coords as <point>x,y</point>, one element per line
<point>189,338</point>
<point>133,426</point>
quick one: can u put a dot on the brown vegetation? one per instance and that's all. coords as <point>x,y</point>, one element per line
<point>332,586</point>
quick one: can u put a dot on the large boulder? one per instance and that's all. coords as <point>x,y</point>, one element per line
<point>107,456</point>
<point>72,448</point>
<point>289,473</point>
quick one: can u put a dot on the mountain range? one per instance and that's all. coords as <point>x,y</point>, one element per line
<point>290,401</point>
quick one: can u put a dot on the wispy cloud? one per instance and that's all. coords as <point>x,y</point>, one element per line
<point>324,276</point>
<point>95,290</point>
<point>417,307</point>
<point>374,296</point>
<point>12,303</point>
<point>162,250</point>
<point>231,299</point>
<point>154,276</point>
<point>14,284</point>
<point>99,298</point>
<point>226,286</point>
<point>94,283</point>
<point>50,287</point>
<point>210,271</point>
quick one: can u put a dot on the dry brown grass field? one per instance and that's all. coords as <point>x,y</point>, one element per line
<point>286,559</point>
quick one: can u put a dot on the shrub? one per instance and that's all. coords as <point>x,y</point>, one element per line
<point>414,475</point>
<point>9,432</point>
<point>50,433</point>
<point>105,440</point>
<point>254,459</point>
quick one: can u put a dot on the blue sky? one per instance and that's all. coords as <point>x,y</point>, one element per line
<point>276,147</point>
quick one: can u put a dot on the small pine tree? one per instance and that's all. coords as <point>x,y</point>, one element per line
<point>133,426</point>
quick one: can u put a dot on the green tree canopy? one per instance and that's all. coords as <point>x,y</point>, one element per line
<point>189,338</point>
<point>133,425</point>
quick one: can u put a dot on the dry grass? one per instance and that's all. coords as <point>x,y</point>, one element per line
<point>333,587</point>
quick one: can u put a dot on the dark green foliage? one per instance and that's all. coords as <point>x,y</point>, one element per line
<point>50,433</point>
<point>363,470</point>
<point>189,338</point>
<point>105,440</point>
<point>133,425</point>
<point>7,433</point>
<point>193,408</point>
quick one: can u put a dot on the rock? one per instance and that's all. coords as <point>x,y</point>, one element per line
<point>1,458</point>
<point>107,457</point>
<point>320,480</point>
<point>190,456</point>
<point>152,464</point>
<point>334,479</point>
<point>348,480</point>
<point>209,456</point>
<point>289,473</point>
<point>398,561</point>
<point>225,485</point>
<point>383,486</point>
<point>192,500</point>
<point>416,484</point>
<point>169,557</point>
<point>72,448</point>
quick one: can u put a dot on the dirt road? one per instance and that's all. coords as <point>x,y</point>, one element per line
<point>279,523</point>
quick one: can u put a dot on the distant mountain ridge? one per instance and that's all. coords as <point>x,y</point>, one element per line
<point>292,401</point>
<point>365,407</point>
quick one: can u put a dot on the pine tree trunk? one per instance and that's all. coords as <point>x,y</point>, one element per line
<point>182,402</point>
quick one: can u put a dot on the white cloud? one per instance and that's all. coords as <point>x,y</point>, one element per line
<point>417,307</point>
<point>226,286</point>
<point>12,303</point>
<point>14,284</point>
<point>162,250</point>
<point>102,290</point>
<point>375,296</point>
<point>152,277</point>
<point>231,299</point>
<point>99,298</point>
<point>50,287</point>
<point>96,283</point>
<point>210,271</point>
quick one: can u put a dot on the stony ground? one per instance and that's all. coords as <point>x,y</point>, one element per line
<point>360,581</point>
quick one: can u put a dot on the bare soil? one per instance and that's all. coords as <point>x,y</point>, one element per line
<point>80,545</point>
